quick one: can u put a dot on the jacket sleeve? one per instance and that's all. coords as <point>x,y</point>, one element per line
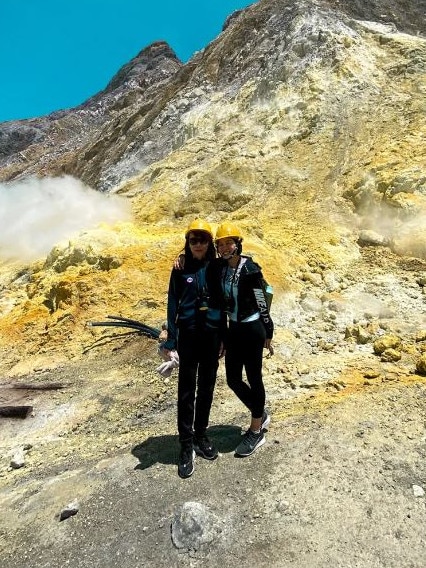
<point>262,304</point>
<point>172,312</point>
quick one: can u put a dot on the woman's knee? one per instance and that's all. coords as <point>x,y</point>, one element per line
<point>233,382</point>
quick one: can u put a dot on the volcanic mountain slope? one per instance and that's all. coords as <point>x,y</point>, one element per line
<point>304,122</point>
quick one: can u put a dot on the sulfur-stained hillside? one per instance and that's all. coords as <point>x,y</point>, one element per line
<point>305,123</point>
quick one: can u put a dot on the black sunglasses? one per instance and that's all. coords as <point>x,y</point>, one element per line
<point>196,240</point>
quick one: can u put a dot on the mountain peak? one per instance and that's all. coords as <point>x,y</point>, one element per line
<point>156,58</point>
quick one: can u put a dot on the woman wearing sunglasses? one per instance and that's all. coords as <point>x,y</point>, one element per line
<point>196,328</point>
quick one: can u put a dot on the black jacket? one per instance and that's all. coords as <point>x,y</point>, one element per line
<point>251,296</point>
<point>193,302</point>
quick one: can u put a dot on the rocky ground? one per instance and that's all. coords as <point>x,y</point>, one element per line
<point>341,480</point>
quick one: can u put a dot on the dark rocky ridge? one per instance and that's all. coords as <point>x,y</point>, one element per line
<point>137,118</point>
<point>23,143</point>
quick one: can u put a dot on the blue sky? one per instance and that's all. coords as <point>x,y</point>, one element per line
<point>55,54</point>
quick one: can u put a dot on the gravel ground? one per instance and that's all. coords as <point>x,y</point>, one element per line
<point>341,480</point>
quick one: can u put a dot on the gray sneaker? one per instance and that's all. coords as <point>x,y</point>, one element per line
<point>266,420</point>
<point>250,442</point>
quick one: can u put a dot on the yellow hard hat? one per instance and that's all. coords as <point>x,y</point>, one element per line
<point>228,230</point>
<point>199,225</point>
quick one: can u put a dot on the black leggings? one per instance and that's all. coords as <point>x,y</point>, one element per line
<point>198,352</point>
<point>244,349</point>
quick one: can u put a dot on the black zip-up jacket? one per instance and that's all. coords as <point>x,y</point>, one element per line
<point>251,296</point>
<point>192,302</point>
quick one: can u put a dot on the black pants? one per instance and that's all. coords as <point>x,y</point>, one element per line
<point>244,349</point>
<point>198,364</point>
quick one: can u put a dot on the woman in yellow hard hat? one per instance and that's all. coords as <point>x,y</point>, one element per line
<point>196,327</point>
<point>250,331</point>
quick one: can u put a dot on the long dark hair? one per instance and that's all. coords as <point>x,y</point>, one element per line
<point>239,243</point>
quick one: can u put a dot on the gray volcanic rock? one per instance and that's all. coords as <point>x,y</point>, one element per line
<point>42,145</point>
<point>15,138</point>
<point>146,69</point>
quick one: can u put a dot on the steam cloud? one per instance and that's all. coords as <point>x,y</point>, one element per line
<point>35,214</point>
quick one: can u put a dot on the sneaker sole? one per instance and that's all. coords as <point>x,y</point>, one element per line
<point>258,445</point>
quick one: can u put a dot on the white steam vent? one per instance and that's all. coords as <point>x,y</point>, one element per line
<point>36,213</point>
